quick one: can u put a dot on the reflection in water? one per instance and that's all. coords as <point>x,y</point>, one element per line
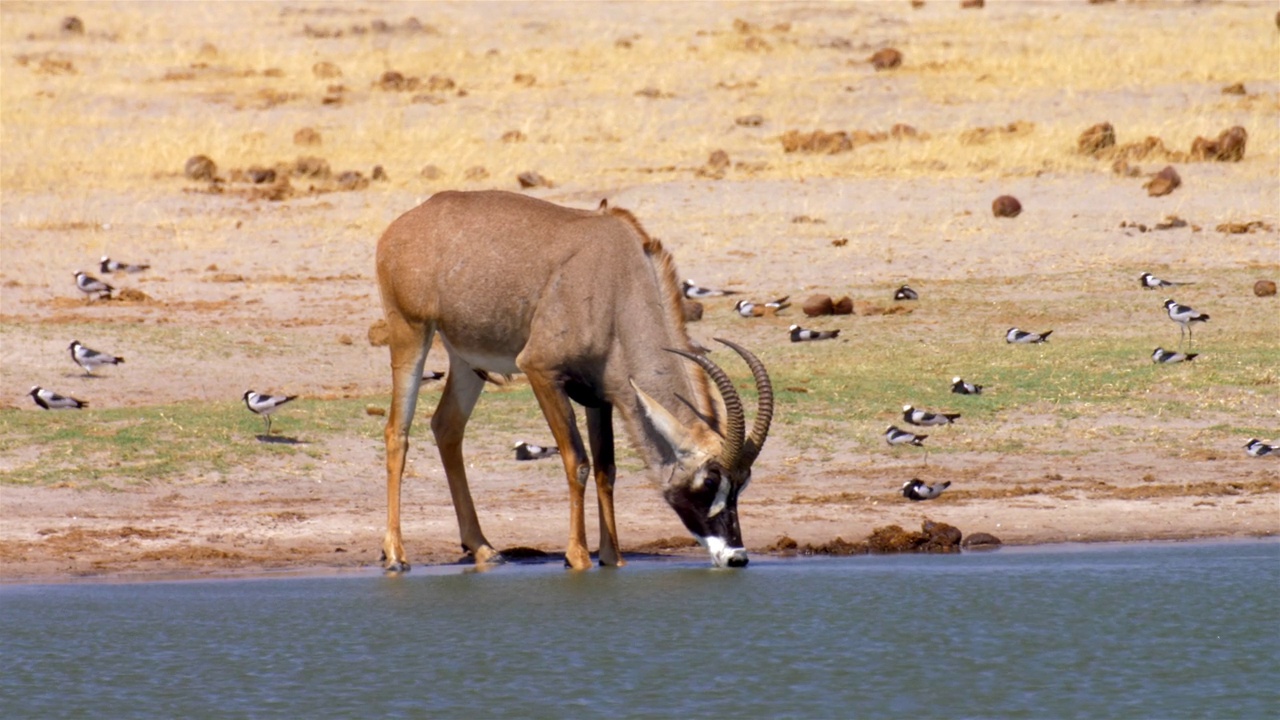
<point>1101,631</point>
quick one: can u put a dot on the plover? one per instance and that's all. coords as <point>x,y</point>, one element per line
<point>107,265</point>
<point>1184,316</point>
<point>1151,282</point>
<point>915,489</point>
<point>432,375</point>
<point>896,436</point>
<point>525,451</point>
<point>50,400</point>
<point>91,286</point>
<point>90,359</point>
<point>1257,448</point>
<point>263,404</point>
<point>960,387</point>
<point>750,308</point>
<point>926,418</point>
<point>1160,355</point>
<point>1014,335</point>
<point>799,334</point>
<point>694,292</point>
<point>906,293</point>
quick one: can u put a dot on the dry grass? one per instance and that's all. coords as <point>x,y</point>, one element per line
<point>652,89</point>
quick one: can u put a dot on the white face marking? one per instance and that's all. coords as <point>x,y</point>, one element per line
<point>722,499</point>
<point>720,551</point>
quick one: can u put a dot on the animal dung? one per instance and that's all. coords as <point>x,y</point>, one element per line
<point>843,306</point>
<point>307,136</point>
<point>379,334</point>
<point>1096,139</point>
<point>531,179</point>
<point>817,305</point>
<point>374,410</point>
<point>752,120</point>
<point>1229,147</point>
<point>1006,206</point>
<point>1234,89</point>
<point>1163,182</point>
<point>1264,288</point>
<point>200,167</point>
<point>885,59</point>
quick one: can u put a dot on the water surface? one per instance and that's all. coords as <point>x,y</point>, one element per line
<point>1126,631</point>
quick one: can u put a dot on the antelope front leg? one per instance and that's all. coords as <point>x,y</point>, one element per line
<point>559,414</point>
<point>600,435</point>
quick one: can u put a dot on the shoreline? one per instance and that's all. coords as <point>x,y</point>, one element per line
<point>437,566</point>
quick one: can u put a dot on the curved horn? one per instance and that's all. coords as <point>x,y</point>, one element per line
<point>764,408</point>
<point>735,423</point>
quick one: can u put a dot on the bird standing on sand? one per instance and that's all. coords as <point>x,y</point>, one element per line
<point>90,359</point>
<point>916,490</point>
<point>92,287</point>
<point>50,400</point>
<point>264,405</point>
<point>1257,448</point>
<point>1022,337</point>
<point>1184,316</point>
<point>107,265</point>
<point>749,308</point>
<point>799,334</point>
<point>527,451</point>
<point>1160,355</point>
<point>906,293</point>
<point>960,387</point>
<point>926,418</point>
<point>694,292</point>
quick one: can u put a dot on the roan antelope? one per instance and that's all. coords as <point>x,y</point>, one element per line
<point>588,307</point>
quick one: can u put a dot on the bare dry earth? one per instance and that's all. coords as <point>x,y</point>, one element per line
<point>278,296</point>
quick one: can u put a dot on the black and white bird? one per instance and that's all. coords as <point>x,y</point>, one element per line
<point>264,405</point>
<point>750,308</point>
<point>89,359</point>
<point>1151,282</point>
<point>1160,355</point>
<point>526,451</point>
<point>50,400</point>
<point>960,387</point>
<point>916,490</point>
<point>896,436</point>
<point>1257,448</point>
<point>107,265</point>
<point>799,334</point>
<point>1026,338</point>
<point>1184,316</point>
<point>694,292</point>
<point>906,293</point>
<point>926,418</point>
<point>91,286</point>
<point>432,375</point>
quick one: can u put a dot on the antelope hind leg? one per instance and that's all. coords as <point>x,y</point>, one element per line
<point>409,345</point>
<point>449,422</point>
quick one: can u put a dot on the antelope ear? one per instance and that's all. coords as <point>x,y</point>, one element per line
<point>679,440</point>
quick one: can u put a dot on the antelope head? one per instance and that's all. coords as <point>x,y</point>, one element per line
<point>711,469</point>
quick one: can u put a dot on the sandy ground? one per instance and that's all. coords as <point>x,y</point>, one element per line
<point>279,296</point>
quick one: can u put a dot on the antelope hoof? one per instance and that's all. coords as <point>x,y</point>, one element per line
<point>486,555</point>
<point>577,559</point>
<point>393,561</point>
